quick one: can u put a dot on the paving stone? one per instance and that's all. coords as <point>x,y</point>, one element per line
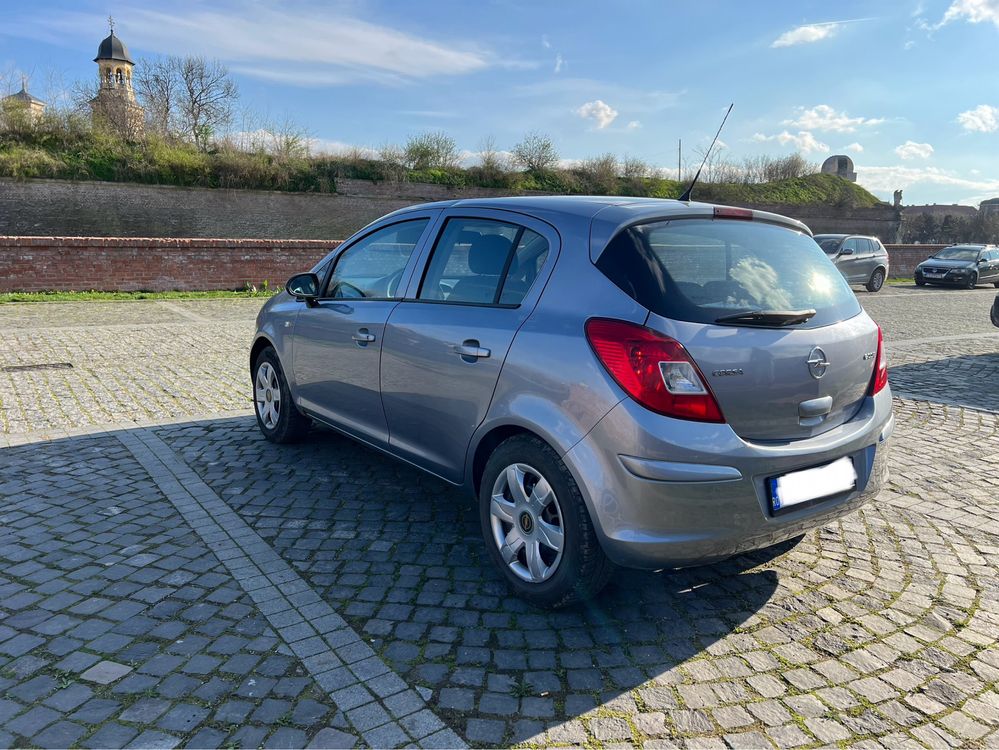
<point>335,739</point>
<point>106,672</point>
<point>111,735</point>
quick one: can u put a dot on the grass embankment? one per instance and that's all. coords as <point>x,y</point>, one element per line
<point>93,296</point>
<point>79,153</point>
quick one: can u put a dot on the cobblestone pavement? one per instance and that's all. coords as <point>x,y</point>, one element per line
<point>169,578</point>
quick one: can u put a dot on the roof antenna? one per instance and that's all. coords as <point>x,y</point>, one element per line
<point>690,187</point>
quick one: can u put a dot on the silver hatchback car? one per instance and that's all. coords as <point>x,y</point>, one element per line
<point>638,382</point>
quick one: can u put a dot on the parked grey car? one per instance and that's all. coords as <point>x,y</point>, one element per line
<point>861,259</point>
<point>961,265</point>
<point>642,382</point>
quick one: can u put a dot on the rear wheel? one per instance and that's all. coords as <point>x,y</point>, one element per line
<point>876,281</point>
<point>278,418</point>
<point>972,281</point>
<point>536,526</point>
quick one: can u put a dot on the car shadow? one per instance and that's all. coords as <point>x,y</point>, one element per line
<point>967,380</point>
<point>400,555</point>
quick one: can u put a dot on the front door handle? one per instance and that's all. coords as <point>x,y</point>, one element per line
<point>469,350</point>
<point>363,337</point>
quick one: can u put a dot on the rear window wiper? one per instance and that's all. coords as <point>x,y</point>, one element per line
<point>768,317</point>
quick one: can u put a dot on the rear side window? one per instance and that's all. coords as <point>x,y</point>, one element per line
<point>698,270</point>
<point>485,262</point>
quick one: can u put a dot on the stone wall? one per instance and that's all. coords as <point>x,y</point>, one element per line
<point>34,264</point>
<point>113,209</point>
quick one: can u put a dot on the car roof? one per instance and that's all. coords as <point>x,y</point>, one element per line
<point>588,206</point>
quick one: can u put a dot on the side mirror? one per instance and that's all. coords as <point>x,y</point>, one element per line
<point>846,251</point>
<point>304,286</point>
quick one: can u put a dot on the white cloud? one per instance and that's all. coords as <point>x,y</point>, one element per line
<point>824,117</point>
<point>984,119</point>
<point>887,179</point>
<point>598,111</point>
<point>854,147</point>
<point>807,34</point>
<point>633,125</point>
<point>912,150</point>
<point>322,47</point>
<point>813,32</point>
<point>803,141</point>
<point>973,11</point>
<point>545,42</point>
<point>559,62</point>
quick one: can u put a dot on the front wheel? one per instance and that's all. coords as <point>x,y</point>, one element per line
<point>278,418</point>
<point>876,281</point>
<point>536,526</point>
<point>920,281</point>
<point>972,281</point>
<point>994,313</point>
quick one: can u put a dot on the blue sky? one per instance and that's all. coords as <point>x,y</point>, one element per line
<point>908,88</point>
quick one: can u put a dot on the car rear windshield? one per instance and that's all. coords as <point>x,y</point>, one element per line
<point>699,270</point>
<point>958,253</point>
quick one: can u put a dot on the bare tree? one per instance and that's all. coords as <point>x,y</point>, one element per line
<point>536,153</point>
<point>599,174</point>
<point>158,86</point>
<point>491,160</point>
<point>207,96</point>
<point>433,150</point>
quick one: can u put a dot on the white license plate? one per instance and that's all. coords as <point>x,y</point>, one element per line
<point>811,484</point>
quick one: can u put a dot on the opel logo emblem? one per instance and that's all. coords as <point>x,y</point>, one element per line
<point>526,523</point>
<point>817,363</point>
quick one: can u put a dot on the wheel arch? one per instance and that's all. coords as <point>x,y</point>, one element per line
<point>259,344</point>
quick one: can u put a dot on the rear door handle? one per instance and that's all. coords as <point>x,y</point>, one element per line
<point>470,349</point>
<point>363,336</point>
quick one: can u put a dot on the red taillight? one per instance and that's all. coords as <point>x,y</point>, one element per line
<point>880,378</point>
<point>726,212</point>
<point>653,369</point>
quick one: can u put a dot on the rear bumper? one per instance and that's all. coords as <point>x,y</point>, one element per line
<point>666,493</point>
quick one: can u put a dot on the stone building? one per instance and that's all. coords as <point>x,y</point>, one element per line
<point>115,105</point>
<point>840,165</point>
<point>34,106</point>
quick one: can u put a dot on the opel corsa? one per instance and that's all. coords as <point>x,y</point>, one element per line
<point>638,382</point>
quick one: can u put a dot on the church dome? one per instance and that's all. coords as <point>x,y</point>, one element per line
<point>113,48</point>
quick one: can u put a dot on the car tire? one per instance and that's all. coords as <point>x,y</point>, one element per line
<point>972,281</point>
<point>876,281</point>
<point>278,418</point>
<point>995,284</point>
<point>920,281</point>
<point>994,313</point>
<point>524,549</point>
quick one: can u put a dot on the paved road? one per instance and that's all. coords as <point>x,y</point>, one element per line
<point>169,578</point>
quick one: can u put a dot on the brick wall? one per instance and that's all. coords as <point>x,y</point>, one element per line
<point>33,264</point>
<point>904,258</point>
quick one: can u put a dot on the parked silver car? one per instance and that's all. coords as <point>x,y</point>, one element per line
<point>861,259</point>
<point>642,382</point>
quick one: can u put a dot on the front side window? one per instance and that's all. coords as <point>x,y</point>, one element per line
<point>699,270</point>
<point>852,243</point>
<point>372,268</point>
<point>830,246</point>
<point>482,261</point>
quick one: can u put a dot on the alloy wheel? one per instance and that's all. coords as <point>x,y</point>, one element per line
<point>527,523</point>
<point>267,391</point>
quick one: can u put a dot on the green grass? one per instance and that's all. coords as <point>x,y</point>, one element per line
<point>93,296</point>
<point>65,147</point>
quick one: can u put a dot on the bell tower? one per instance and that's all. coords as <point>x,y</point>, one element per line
<point>115,104</point>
